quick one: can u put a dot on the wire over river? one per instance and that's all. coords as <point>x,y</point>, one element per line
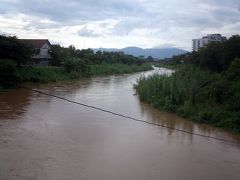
<point>131,118</point>
<point>125,116</point>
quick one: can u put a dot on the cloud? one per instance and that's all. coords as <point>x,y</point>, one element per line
<point>97,28</point>
<point>73,10</point>
<point>166,45</point>
<point>85,32</point>
<point>116,23</point>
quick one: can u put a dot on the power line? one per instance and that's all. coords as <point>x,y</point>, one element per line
<point>127,117</point>
<point>131,118</point>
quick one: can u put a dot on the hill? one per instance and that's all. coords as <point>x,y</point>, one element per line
<point>154,52</point>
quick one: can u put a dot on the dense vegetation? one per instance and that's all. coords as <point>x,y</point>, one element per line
<point>67,63</point>
<point>12,48</point>
<point>204,88</point>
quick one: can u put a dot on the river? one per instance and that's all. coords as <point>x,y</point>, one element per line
<point>45,138</point>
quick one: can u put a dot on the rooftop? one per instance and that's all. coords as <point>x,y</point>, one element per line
<point>37,43</point>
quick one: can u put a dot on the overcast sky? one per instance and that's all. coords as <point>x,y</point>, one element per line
<point>119,23</point>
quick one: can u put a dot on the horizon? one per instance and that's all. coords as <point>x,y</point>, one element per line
<point>119,24</point>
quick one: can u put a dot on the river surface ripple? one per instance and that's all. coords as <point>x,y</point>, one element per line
<point>43,138</point>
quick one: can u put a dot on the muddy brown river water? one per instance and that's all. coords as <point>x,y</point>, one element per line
<point>44,138</point>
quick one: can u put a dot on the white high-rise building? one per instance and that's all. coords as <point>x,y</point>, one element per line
<point>202,42</point>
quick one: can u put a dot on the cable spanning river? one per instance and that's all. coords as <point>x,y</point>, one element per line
<point>42,137</point>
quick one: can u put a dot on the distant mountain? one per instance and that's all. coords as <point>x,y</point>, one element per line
<point>154,52</point>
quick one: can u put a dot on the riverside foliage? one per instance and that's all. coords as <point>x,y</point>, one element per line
<point>198,90</point>
<point>67,63</point>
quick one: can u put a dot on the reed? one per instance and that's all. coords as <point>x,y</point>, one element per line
<point>9,72</point>
<point>107,69</point>
<point>194,93</point>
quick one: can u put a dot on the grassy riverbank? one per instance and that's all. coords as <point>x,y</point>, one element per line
<point>197,94</point>
<point>204,88</point>
<point>66,63</point>
<point>108,69</point>
<point>53,74</point>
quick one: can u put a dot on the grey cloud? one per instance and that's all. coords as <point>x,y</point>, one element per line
<point>38,23</point>
<point>223,3</point>
<point>73,10</point>
<point>165,45</point>
<point>86,32</point>
<point>226,15</point>
<point>203,18</point>
<point>127,25</point>
<point>80,11</point>
<point>6,33</point>
<point>156,16</point>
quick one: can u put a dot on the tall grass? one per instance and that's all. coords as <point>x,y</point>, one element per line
<point>106,69</point>
<point>196,94</point>
<point>9,72</point>
<point>42,74</point>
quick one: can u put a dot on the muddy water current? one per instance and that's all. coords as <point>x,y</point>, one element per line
<point>45,138</point>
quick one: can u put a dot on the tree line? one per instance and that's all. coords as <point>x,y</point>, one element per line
<point>66,63</point>
<point>216,56</point>
<point>20,52</point>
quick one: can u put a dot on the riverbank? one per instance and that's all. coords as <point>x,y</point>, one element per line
<point>197,94</point>
<point>10,74</point>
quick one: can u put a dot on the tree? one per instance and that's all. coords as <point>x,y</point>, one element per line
<point>231,50</point>
<point>150,58</point>
<point>72,51</point>
<point>8,73</point>
<point>99,57</point>
<point>210,57</point>
<point>75,65</point>
<point>234,69</point>
<point>59,54</point>
<point>12,48</point>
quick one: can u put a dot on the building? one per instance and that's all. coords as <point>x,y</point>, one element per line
<point>202,42</point>
<point>41,56</point>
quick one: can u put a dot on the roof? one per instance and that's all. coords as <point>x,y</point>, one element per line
<point>37,43</point>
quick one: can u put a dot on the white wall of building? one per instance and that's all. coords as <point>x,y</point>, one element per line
<point>202,42</point>
<point>43,52</point>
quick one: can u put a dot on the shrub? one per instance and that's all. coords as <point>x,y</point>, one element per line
<point>234,69</point>
<point>8,73</point>
<point>194,93</point>
<point>75,65</point>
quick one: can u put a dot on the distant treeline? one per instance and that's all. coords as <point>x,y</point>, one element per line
<point>66,62</point>
<point>18,51</point>
<point>61,54</point>
<point>204,88</point>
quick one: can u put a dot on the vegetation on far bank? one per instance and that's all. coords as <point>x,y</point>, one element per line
<point>11,75</point>
<point>66,63</point>
<point>204,88</point>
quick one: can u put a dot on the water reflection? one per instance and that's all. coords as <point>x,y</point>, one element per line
<point>171,120</point>
<point>13,104</point>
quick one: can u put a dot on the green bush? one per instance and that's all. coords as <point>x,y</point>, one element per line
<point>8,73</point>
<point>75,65</point>
<point>196,94</point>
<point>42,74</point>
<point>105,69</point>
<point>187,110</point>
<point>234,69</point>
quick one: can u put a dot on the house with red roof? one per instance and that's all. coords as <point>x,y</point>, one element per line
<point>41,56</point>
